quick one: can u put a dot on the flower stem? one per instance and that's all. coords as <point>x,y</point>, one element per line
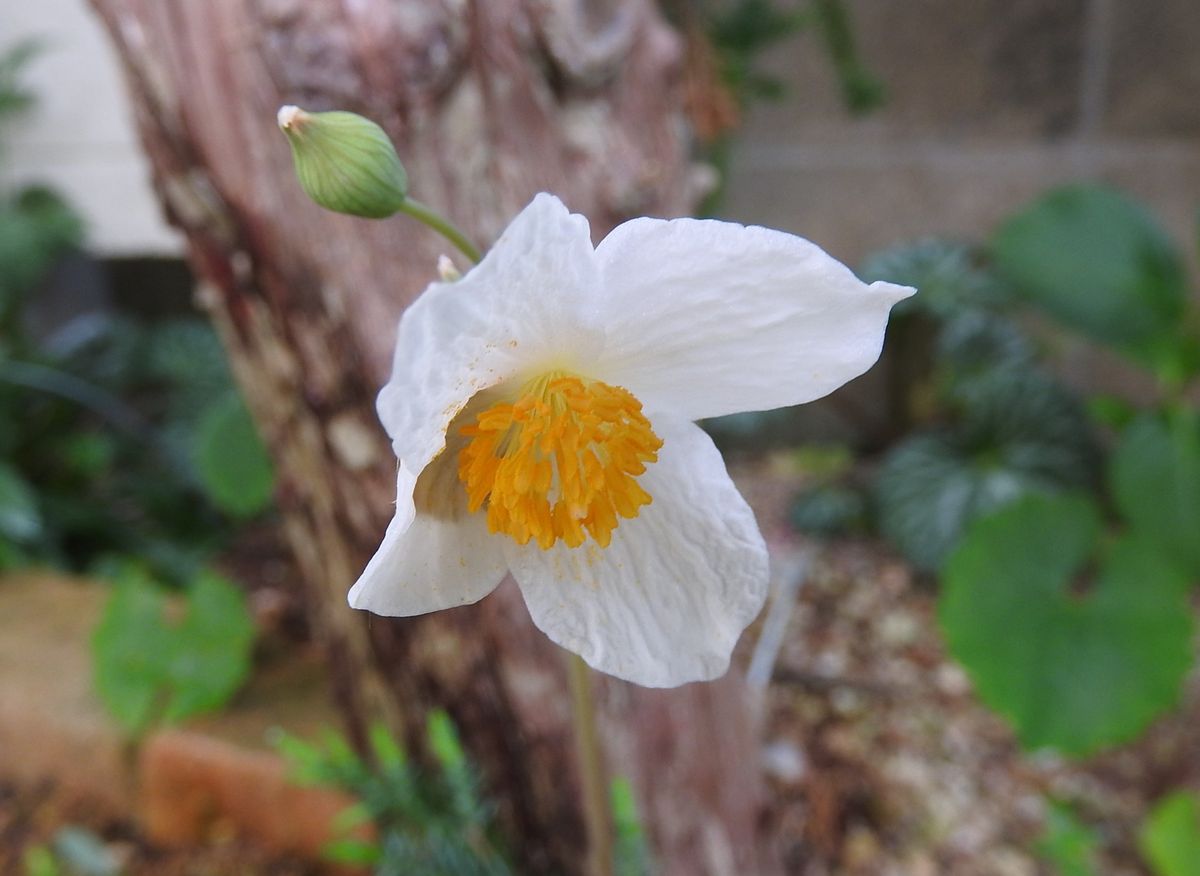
<point>596,811</point>
<point>442,226</point>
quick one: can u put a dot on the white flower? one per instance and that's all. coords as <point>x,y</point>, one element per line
<point>542,409</point>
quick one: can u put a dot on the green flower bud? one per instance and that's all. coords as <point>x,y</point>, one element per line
<point>345,162</point>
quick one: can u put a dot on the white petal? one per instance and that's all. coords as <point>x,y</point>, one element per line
<point>665,602</point>
<point>706,318</point>
<point>529,302</point>
<point>435,555</point>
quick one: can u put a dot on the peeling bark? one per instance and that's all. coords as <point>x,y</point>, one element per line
<point>488,102</point>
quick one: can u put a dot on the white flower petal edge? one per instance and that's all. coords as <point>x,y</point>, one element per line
<point>532,298</point>
<point>706,318</point>
<point>666,601</point>
<point>439,558</point>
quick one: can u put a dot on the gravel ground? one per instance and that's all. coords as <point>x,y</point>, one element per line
<point>882,762</point>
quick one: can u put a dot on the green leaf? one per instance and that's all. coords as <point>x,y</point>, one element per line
<point>129,650</point>
<point>187,356</point>
<point>1073,671</point>
<point>352,851</point>
<point>1067,843</point>
<point>1113,412</point>
<point>36,229</point>
<point>1099,263</point>
<point>631,852</point>
<point>1020,433</point>
<point>39,861</point>
<point>930,488</point>
<point>946,273</point>
<point>14,95</point>
<point>828,510</point>
<point>388,753</point>
<point>20,519</point>
<point>444,741</point>
<point>1155,478</point>
<point>210,653</point>
<point>1170,836</point>
<point>233,463</point>
<point>974,343</point>
<point>148,668</point>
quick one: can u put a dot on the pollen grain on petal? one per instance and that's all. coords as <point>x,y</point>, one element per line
<point>560,461</point>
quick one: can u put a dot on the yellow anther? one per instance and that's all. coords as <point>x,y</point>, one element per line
<point>559,462</point>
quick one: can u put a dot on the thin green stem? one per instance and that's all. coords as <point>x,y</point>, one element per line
<point>442,226</point>
<point>596,811</point>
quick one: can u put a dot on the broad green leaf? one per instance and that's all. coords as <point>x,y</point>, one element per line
<point>210,653</point>
<point>149,667</point>
<point>1099,263</point>
<point>1170,836</point>
<point>130,648</point>
<point>20,519</point>
<point>1155,479</point>
<point>1067,843</point>
<point>233,464</point>
<point>1071,670</point>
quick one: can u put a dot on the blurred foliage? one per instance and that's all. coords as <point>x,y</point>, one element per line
<point>631,851</point>
<point>233,464</point>
<point>862,91</point>
<point>15,98</point>
<point>153,664</point>
<point>1067,844</point>
<point>1155,474</point>
<point>75,851</point>
<point>1077,663</point>
<point>1170,836</point>
<point>742,30</point>
<point>1100,264</point>
<point>737,33</point>
<point>407,819</point>
<point>1011,435</point>
<point>118,438</point>
<point>1064,528</point>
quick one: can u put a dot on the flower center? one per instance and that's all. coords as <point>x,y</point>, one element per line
<point>559,462</point>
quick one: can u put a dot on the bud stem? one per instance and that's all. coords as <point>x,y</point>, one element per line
<point>442,226</point>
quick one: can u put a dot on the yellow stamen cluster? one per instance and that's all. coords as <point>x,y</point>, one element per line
<point>560,462</point>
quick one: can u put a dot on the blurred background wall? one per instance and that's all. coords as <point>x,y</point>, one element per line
<point>79,137</point>
<point>989,102</point>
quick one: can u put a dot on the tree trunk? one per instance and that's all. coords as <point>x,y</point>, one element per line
<point>489,102</point>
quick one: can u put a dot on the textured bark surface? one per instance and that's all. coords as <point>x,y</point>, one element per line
<point>489,102</point>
